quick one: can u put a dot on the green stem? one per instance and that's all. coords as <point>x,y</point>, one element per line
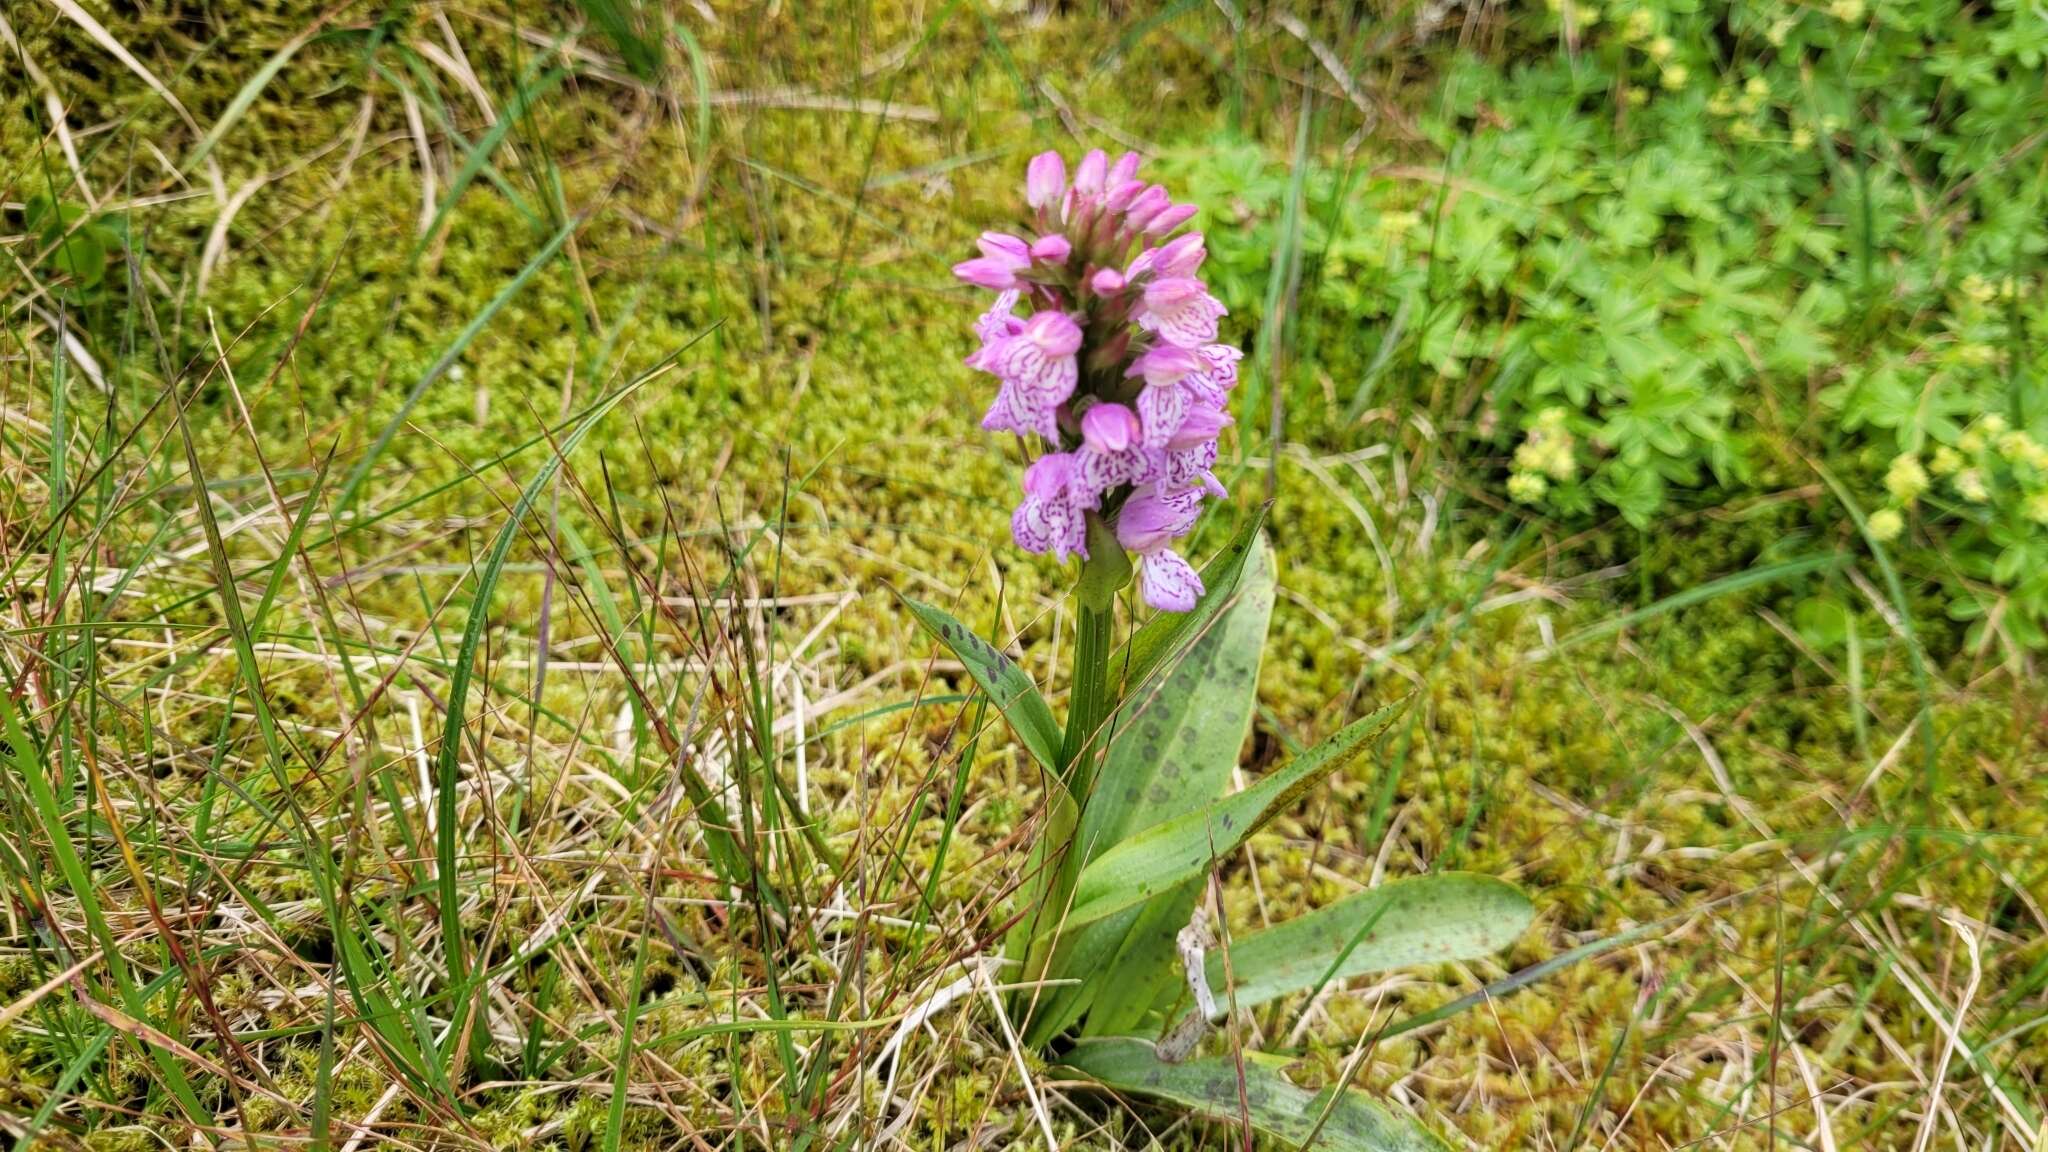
<point>1088,700</point>
<point>1106,571</point>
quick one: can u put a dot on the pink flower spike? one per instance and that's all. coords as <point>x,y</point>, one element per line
<point>1045,180</point>
<point>1170,219</point>
<point>1164,364</point>
<point>987,273</point>
<point>1089,176</point>
<point>1180,256</point>
<point>1109,427</point>
<point>1124,170</point>
<point>1052,249</point>
<point>1106,282</point>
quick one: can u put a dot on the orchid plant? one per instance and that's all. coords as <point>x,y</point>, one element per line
<point>1104,344</point>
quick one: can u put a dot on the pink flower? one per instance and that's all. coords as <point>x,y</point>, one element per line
<point>1093,171</point>
<point>1180,256</point>
<point>1169,219</point>
<point>1045,180</point>
<point>1002,257</point>
<point>1111,455</point>
<point>1047,520</point>
<point>1038,373</point>
<point>1124,170</point>
<point>1106,282</point>
<point>1164,364</point>
<point>1147,204</point>
<point>1212,382</point>
<point>1181,311</point>
<point>995,325</point>
<point>1052,249</point>
<point>1149,522</point>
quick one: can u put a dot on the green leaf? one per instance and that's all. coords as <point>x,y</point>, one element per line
<point>1157,859</point>
<point>1009,686</point>
<point>1419,920</point>
<point>1343,1120</point>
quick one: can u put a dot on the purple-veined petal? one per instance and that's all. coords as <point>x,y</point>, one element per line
<point>1161,409</point>
<point>1168,582</point>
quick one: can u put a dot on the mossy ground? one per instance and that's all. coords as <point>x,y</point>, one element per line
<point>1840,852</point>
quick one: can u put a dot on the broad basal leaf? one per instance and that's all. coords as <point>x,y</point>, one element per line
<point>1419,920</point>
<point>1340,1120</point>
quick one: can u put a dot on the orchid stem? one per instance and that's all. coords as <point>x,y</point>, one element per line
<point>1088,701</point>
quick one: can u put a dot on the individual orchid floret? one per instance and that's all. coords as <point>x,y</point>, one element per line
<point>1092,172</point>
<point>1048,520</point>
<point>1002,257</point>
<point>1053,249</point>
<point>1045,181</point>
<point>1106,282</point>
<point>1148,525</point>
<point>1181,311</point>
<point>1147,204</point>
<point>1179,257</point>
<point>1112,455</point>
<point>1167,220</point>
<point>1038,373</point>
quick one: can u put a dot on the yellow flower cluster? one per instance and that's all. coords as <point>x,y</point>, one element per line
<point>1543,456</point>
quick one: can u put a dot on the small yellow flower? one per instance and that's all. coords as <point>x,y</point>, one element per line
<point>1946,461</point>
<point>1975,288</point>
<point>1905,479</point>
<point>1886,524</point>
<point>1675,77</point>
<point>2014,445</point>
<point>1993,424</point>
<point>1637,97</point>
<point>1586,15</point>
<point>1527,487</point>
<point>1780,29</point>
<point>1639,24</point>
<point>1660,49</point>
<point>1847,11</point>
<point>1756,86</point>
<point>1970,486</point>
<point>1802,139</point>
<point>2037,507</point>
